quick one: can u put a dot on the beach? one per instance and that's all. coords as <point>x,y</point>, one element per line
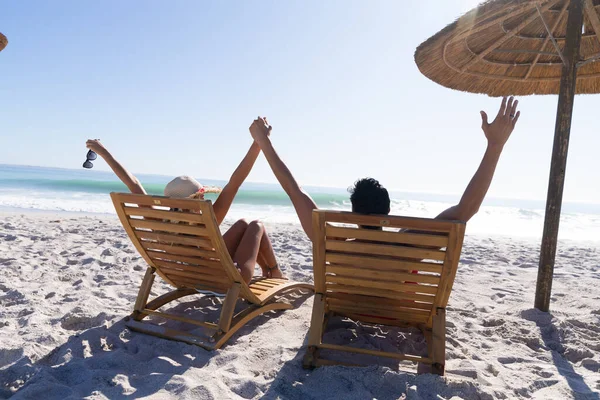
<point>176,117</point>
<point>70,279</point>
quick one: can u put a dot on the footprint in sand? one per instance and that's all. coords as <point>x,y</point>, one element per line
<point>492,370</point>
<point>575,355</point>
<point>591,364</point>
<point>11,298</point>
<point>545,374</point>
<point>566,256</point>
<point>289,247</point>
<point>465,368</point>
<point>77,320</point>
<point>107,252</point>
<point>511,360</point>
<point>591,328</point>
<point>9,356</point>
<point>527,265</point>
<point>106,265</point>
<point>25,312</point>
<point>490,322</point>
<point>498,296</point>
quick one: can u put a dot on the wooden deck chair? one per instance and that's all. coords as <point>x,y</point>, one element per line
<point>181,242</point>
<point>383,276</point>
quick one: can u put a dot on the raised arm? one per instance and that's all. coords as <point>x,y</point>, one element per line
<point>301,200</point>
<point>223,202</point>
<point>497,133</point>
<point>132,183</point>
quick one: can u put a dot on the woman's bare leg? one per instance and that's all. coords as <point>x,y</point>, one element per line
<point>267,259</point>
<point>266,255</point>
<point>234,234</point>
<point>247,251</point>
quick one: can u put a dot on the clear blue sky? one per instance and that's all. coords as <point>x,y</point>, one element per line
<point>171,88</point>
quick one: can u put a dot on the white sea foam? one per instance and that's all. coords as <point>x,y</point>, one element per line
<point>57,201</point>
<point>509,221</point>
<point>491,220</point>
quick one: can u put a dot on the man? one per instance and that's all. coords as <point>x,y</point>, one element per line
<point>369,197</point>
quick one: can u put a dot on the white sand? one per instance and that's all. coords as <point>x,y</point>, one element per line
<point>67,285</point>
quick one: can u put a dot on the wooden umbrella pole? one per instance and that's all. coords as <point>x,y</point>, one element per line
<point>559,155</point>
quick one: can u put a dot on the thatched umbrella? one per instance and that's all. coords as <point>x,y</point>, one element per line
<point>3,41</point>
<point>523,47</point>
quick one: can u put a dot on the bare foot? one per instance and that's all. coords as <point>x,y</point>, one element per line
<point>275,272</point>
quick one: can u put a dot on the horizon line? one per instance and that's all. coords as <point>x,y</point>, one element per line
<point>396,190</point>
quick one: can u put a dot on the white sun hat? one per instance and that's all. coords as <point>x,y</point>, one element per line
<point>186,186</point>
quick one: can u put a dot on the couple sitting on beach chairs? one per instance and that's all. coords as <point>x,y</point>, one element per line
<point>178,252</point>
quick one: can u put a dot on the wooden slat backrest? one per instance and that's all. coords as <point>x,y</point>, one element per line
<point>385,268</point>
<point>181,240</point>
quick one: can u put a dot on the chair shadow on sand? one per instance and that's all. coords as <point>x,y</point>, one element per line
<point>385,381</point>
<point>119,363</point>
<point>376,377</point>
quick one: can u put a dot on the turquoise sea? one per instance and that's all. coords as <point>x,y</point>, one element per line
<point>86,191</point>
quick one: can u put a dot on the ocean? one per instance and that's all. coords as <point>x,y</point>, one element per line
<point>87,191</point>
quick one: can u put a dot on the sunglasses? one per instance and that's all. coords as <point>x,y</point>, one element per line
<point>91,156</point>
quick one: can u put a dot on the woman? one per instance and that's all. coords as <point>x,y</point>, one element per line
<point>247,243</point>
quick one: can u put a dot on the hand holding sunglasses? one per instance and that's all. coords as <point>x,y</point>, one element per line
<point>91,156</point>
<point>95,148</point>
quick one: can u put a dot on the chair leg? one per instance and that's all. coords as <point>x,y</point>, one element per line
<point>144,292</point>
<point>425,368</point>
<point>243,318</point>
<point>226,327</point>
<point>315,333</point>
<point>169,297</point>
<point>310,357</point>
<point>229,307</point>
<point>438,346</point>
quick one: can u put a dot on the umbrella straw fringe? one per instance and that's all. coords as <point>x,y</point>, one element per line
<point>503,48</point>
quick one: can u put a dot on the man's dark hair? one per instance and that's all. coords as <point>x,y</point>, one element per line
<point>369,197</point>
